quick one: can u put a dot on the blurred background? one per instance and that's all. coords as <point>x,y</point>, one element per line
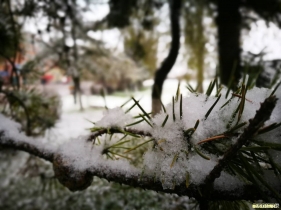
<point>63,62</point>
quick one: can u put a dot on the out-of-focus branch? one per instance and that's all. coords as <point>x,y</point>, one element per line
<point>23,145</point>
<point>11,95</point>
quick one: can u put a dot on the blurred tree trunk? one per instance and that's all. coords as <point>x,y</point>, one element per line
<point>77,91</point>
<point>166,66</point>
<point>229,24</point>
<point>195,39</point>
<point>76,79</point>
<point>200,50</point>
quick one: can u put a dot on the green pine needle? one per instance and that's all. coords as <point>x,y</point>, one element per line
<point>143,117</point>
<point>190,88</point>
<point>242,103</point>
<point>116,145</point>
<point>174,115</point>
<point>130,108</point>
<point>102,93</point>
<point>163,107</point>
<point>274,146</point>
<point>144,112</point>
<point>181,107</point>
<point>200,153</point>
<point>269,128</point>
<point>196,124</point>
<point>139,145</point>
<point>232,117</point>
<point>212,107</point>
<point>123,156</point>
<point>137,122</point>
<point>259,177</point>
<point>236,127</point>
<point>274,90</point>
<point>165,120</point>
<point>126,102</point>
<point>174,160</point>
<point>178,92</point>
<point>129,133</point>
<point>125,135</point>
<point>189,132</point>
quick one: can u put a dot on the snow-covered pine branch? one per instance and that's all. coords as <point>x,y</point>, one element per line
<point>200,146</point>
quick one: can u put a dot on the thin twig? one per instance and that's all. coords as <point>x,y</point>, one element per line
<point>94,135</point>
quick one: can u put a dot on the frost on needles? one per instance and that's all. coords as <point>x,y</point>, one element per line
<point>189,137</point>
<point>195,141</point>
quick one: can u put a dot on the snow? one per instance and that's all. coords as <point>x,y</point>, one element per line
<point>229,183</point>
<point>199,168</point>
<point>174,158</point>
<point>83,155</point>
<point>10,127</point>
<point>13,133</point>
<point>171,160</point>
<point>115,117</point>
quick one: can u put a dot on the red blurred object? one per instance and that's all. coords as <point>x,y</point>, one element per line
<point>46,78</point>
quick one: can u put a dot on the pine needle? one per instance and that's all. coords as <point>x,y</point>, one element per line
<point>212,107</point>
<point>213,138</point>
<point>200,153</point>
<point>174,160</point>
<point>181,107</point>
<point>138,146</point>
<point>144,112</point>
<point>178,92</point>
<point>174,115</point>
<point>165,120</point>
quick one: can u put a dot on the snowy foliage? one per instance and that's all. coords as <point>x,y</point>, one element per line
<point>179,146</point>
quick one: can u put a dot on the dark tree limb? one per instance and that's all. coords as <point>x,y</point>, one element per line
<point>80,180</point>
<point>25,146</point>
<point>262,115</point>
<point>166,66</point>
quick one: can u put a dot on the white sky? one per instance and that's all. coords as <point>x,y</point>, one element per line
<point>264,37</point>
<point>258,38</point>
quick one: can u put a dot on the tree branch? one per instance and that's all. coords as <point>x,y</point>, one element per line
<point>262,115</point>
<point>77,179</point>
<point>76,162</point>
<point>166,66</point>
<point>23,145</point>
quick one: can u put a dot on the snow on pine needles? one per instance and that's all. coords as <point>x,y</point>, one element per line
<point>181,144</point>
